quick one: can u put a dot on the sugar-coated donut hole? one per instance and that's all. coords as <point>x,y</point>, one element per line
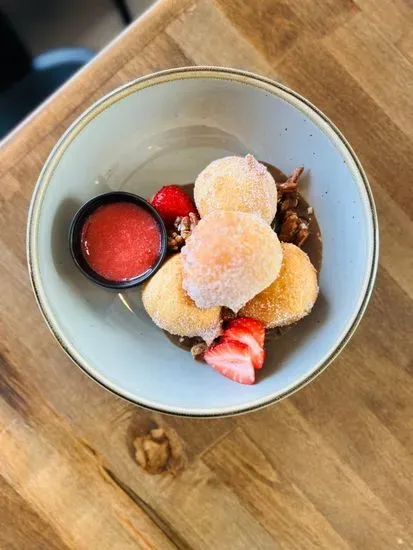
<point>292,294</point>
<point>236,183</point>
<point>171,309</point>
<point>229,258</point>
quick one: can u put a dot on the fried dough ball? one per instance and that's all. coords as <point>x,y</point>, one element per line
<point>229,258</point>
<point>236,183</point>
<point>171,309</point>
<point>292,294</point>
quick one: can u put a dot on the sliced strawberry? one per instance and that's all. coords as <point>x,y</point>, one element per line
<point>171,201</point>
<point>250,332</point>
<point>232,359</point>
<point>252,326</point>
<point>240,335</point>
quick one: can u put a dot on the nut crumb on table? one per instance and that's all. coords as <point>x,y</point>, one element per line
<point>159,451</point>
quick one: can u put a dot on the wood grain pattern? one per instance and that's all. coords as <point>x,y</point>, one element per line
<point>331,467</point>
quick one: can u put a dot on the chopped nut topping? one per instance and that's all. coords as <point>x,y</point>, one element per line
<point>175,241</point>
<point>302,233</point>
<point>291,227</point>
<point>183,227</point>
<point>198,351</point>
<point>289,202</point>
<point>186,225</point>
<point>290,185</point>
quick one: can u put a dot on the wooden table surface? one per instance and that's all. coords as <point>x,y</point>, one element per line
<point>329,468</point>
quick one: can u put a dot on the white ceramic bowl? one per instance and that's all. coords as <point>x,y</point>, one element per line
<point>164,128</point>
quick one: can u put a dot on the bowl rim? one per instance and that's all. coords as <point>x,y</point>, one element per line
<point>152,79</point>
<point>86,210</point>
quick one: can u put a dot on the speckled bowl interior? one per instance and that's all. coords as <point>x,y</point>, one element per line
<point>164,128</point>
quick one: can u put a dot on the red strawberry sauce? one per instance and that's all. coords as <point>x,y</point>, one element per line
<point>120,241</point>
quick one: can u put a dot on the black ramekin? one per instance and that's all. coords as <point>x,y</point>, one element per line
<point>75,233</point>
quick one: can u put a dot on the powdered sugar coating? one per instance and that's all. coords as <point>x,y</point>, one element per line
<point>236,183</point>
<point>292,294</point>
<point>229,258</point>
<point>171,309</point>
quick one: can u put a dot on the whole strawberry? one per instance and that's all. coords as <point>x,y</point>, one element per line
<point>171,201</point>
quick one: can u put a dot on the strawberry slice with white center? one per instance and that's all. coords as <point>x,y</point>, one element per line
<point>249,332</point>
<point>254,327</point>
<point>232,359</point>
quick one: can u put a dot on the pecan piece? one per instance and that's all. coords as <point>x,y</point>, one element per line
<point>302,233</point>
<point>290,202</point>
<point>290,185</point>
<point>289,226</point>
<point>183,227</point>
<point>198,351</point>
<point>175,241</point>
<point>186,224</point>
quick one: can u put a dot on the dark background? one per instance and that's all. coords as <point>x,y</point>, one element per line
<point>45,42</point>
<point>45,24</point>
